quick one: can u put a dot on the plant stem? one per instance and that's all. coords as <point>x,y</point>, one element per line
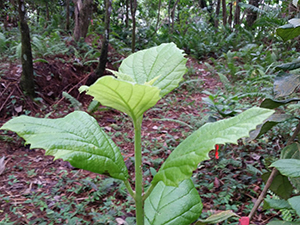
<point>148,192</point>
<point>139,202</point>
<point>129,189</point>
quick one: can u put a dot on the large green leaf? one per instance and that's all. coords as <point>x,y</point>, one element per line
<point>289,66</point>
<point>281,185</point>
<point>288,167</point>
<point>267,125</point>
<point>173,205</point>
<point>185,158</point>
<point>130,98</point>
<point>217,218</point>
<point>288,32</point>
<point>295,203</point>
<point>76,138</point>
<point>292,152</point>
<point>285,84</point>
<point>165,62</point>
<point>272,103</point>
<point>276,204</point>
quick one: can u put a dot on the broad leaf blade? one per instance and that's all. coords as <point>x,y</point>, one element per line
<point>217,218</point>
<point>281,185</point>
<point>267,125</point>
<point>165,61</point>
<point>289,66</point>
<point>76,138</point>
<point>292,152</point>
<point>288,32</point>
<point>173,205</point>
<point>276,204</point>
<point>295,203</point>
<point>286,84</point>
<point>288,167</point>
<point>185,158</point>
<point>132,99</point>
<point>272,104</point>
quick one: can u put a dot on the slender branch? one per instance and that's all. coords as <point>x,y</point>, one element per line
<point>271,178</point>
<point>129,189</point>
<point>148,192</point>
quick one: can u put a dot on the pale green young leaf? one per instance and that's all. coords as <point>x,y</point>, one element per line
<point>130,98</point>
<point>193,150</point>
<point>173,205</point>
<point>217,218</point>
<point>122,76</point>
<point>76,138</point>
<point>288,167</point>
<point>165,61</point>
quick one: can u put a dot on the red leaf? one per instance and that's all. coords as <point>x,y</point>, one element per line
<point>244,220</point>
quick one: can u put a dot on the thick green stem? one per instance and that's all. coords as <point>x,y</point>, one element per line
<point>139,202</point>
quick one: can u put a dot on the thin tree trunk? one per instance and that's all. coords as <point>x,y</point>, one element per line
<point>127,14</point>
<point>26,81</point>
<point>47,11</point>
<point>217,13</point>
<point>173,15</point>
<point>237,13</point>
<point>202,4</point>
<point>67,15</point>
<point>158,17</point>
<point>104,49</point>
<point>224,12</point>
<point>230,14</point>
<point>252,15</point>
<point>83,11</point>
<point>133,7</point>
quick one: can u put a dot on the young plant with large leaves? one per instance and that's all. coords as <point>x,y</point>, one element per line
<point>143,78</point>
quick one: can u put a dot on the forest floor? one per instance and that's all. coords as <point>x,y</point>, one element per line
<point>34,189</point>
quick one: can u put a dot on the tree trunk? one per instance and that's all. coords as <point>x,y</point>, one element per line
<point>47,11</point>
<point>237,13</point>
<point>67,15</point>
<point>217,13</point>
<point>224,12</point>
<point>202,4</point>
<point>252,15</point>
<point>133,7</point>
<point>83,12</point>
<point>127,14</point>
<point>26,81</point>
<point>173,15</point>
<point>158,16</point>
<point>104,49</point>
<point>230,14</point>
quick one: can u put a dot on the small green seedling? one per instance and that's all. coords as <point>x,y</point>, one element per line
<point>142,80</point>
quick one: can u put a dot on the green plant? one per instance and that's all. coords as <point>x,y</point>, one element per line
<point>143,79</point>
